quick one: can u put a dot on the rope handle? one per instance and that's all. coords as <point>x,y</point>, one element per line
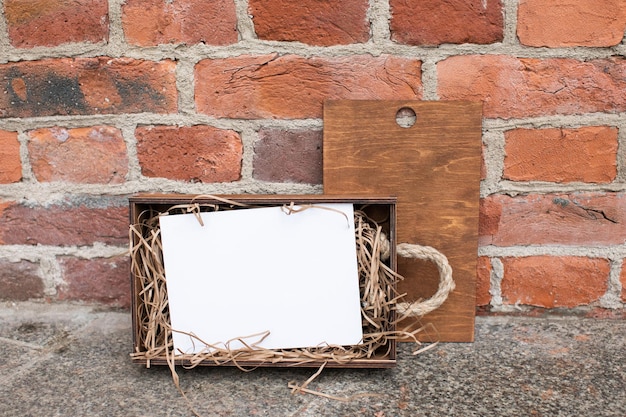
<point>446,283</point>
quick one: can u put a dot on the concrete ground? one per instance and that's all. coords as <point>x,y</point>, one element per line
<point>67,360</point>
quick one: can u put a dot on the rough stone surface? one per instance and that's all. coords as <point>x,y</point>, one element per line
<point>525,87</point>
<point>483,281</point>
<point>288,156</point>
<point>154,22</point>
<point>321,23</point>
<point>435,22</point>
<point>566,219</point>
<point>197,153</point>
<point>563,23</point>
<point>623,281</point>
<point>100,280</point>
<point>59,154</point>
<point>10,158</point>
<point>561,155</point>
<point>62,225</point>
<point>55,22</point>
<point>273,86</point>
<point>517,366</point>
<point>550,282</point>
<point>19,281</point>
<point>102,85</point>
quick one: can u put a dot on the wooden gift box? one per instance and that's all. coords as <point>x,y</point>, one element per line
<point>145,206</point>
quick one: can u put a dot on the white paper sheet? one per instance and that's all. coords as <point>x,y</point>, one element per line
<point>249,271</point>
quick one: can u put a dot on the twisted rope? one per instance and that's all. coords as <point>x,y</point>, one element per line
<point>446,283</point>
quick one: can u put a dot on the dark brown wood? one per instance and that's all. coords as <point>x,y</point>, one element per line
<point>376,207</point>
<point>433,168</point>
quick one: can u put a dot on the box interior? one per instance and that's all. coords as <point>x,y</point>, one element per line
<point>147,287</point>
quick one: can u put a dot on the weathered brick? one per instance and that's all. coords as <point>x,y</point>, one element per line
<point>154,22</point>
<point>513,87</point>
<point>55,22</point>
<point>63,224</point>
<point>85,155</point>
<point>563,23</point>
<point>75,86</point>
<point>197,153</point>
<point>10,161</point>
<point>550,282</point>
<point>434,22</point>
<point>288,156</point>
<point>483,281</point>
<point>99,280</point>
<point>20,281</point>
<point>565,219</point>
<point>314,22</point>
<point>587,154</point>
<point>273,86</point>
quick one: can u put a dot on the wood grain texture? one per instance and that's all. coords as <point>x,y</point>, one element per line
<point>433,168</point>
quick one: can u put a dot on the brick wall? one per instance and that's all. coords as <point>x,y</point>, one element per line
<point>101,99</point>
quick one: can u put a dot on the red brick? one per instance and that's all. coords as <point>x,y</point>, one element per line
<point>154,22</point>
<point>587,154</point>
<point>100,280</point>
<point>550,282</point>
<point>512,87</point>
<point>434,22</point>
<point>565,219</point>
<point>314,22</point>
<point>10,161</point>
<point>250,87</point>
<point>490,217</point>
<point>483,281</point>
<point>19,281</point>
<point>85,155</point>
<point>289,156</point>
<point>75,86</point>
<point>196,153</point>
<point>563,23</point>
<point>63,224</point>
<point>55,22</point>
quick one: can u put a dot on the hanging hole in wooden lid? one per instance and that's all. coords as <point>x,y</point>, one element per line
<point>406,117</point>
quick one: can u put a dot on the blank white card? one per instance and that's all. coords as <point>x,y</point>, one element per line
<point>250,271</point>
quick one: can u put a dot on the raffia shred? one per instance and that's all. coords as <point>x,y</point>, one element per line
<point>378,306</point>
